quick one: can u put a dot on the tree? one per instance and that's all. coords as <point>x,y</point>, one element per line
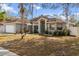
<point>3,16</point>
<point>52,6</point>
<point>67,11</point>
<point>31,9</point>
<point>23,13</point>
<point>77,23</point>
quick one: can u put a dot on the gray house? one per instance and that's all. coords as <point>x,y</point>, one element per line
<point>41,25</point>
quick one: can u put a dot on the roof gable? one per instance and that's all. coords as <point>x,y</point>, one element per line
<point>38,18</point>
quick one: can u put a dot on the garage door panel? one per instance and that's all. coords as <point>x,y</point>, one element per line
<point>10,28</point>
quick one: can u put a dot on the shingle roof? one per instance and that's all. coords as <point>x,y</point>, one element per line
<point>16,20</point>
<point>48,19</point>
<point>22,21</point>
<point>36,18</point>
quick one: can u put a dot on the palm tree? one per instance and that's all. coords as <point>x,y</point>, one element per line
<point>31,8</point>
<point>22,12</point>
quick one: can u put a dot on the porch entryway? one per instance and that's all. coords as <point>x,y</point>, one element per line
<point>42,26</point>
<point>35,29</point>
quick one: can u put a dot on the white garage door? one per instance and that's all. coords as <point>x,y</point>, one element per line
<point>10,28</point>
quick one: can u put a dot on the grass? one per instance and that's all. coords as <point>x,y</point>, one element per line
<point>38,45</point>
<point>10,37</point>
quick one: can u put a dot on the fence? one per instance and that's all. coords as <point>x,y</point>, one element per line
<point>74,31</point>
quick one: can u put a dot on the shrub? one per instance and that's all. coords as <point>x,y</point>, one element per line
<point>66,32</point>
<point>55,33</point>
<point>61,33</point>
<point>35,31</point>
<point>50,32</point>
<point>46,32</point>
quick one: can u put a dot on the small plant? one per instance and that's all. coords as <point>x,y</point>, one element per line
<point>66,32</point>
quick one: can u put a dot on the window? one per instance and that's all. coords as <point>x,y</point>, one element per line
<point>52,27</point>
<point>59,28</point>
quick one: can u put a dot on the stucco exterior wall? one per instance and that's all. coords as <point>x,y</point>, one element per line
<point>1,28</point>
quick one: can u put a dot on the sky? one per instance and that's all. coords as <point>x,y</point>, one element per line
<point>12,10</point>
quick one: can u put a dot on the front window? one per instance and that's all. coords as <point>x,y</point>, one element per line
<point>52,27</point>
<point>59,28</point>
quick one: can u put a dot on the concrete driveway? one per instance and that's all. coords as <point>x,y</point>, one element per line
<point>5,52</point>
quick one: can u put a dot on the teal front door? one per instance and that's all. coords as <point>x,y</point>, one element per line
<point>35,29</point>
<point>42,26</point>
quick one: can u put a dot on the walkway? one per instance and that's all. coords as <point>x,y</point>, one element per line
<point>5,52</point>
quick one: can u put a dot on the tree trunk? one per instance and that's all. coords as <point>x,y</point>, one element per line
<point>22,30</point>
<point>32,18</point>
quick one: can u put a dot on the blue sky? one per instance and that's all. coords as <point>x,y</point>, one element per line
<point>12,10</point>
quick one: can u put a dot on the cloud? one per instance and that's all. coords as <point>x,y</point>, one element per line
<point>76,14</point>
<point>37,7</point>
<point>8,9</point>
<point>63,17</point>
